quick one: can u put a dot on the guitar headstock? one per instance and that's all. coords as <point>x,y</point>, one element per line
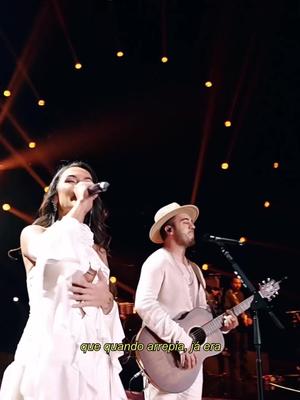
<point>269,289</point>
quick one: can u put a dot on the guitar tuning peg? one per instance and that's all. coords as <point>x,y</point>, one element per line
<point>269,279</point>
<point>276,293</point>
<point>263,282</point>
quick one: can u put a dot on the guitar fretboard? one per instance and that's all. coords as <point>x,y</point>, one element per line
<point>217,322</point>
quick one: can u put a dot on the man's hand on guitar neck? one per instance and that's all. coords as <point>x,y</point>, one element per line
<point>230,322</point>
<point>188,360</point>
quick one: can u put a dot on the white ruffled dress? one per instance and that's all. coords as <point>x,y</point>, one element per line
<point>49,364</point>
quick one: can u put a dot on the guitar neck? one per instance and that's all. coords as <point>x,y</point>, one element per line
<point>217,322</point>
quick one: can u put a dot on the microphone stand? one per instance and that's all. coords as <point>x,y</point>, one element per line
<point>257,303</point>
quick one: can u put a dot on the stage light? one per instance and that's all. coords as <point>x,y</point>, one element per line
<point>224,165</point>
<point>78,65</point>
<point>164,60</point>
<point>15,299</point>
<point>46,188</point>
<point>6,93</point>
<point>227,124</point>
<point>208,84</point>
<point>120,54</point>
<point>113,279</point>
<point>275,165</point>
<point>205,267</point>
<point>32,145</point>
<point>41,102</point>
<point>267,204</point>
<point>6,207</point>
<point>242,239</point>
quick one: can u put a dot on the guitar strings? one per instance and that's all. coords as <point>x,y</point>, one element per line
<point>211,326</point>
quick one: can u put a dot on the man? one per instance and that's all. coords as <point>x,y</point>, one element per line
<point>169,287</point>
<point>237,341</point>
<point>214,294</point>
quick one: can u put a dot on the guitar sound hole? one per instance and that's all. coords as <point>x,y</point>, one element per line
<point>198,335</point>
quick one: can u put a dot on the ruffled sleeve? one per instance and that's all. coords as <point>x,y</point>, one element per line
<point>61,251</point>
<point>62,241</point>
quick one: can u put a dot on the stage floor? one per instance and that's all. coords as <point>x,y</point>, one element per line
<point>223,388</point>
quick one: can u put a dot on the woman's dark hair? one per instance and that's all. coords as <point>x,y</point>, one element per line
<point>95,218</point>
<point>48,211</point>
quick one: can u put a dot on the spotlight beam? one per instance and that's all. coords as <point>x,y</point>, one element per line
<point>22,162</point>
<point>64,29</point>
<point>203,147</point>
<point>25,60</point>
<point>125,287</point>
<point>19,65</point>
<point>20,214</point>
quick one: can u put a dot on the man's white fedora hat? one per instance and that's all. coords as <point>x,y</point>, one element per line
<point>167,212</point>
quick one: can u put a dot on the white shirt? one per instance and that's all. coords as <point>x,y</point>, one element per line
<point>163,293</point>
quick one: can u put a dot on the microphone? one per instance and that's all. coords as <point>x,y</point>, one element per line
<point>211,238</point>
<point>98,188</point>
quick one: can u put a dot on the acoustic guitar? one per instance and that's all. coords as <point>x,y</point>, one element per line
<point>157,360</point>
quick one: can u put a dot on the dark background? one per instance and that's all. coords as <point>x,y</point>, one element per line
<point>144,126</point>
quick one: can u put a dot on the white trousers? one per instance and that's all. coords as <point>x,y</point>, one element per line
<point>192,393</point>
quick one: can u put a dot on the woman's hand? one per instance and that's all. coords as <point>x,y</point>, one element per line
<point>90,294</point>
<point>84,201</point>
<point>83,197</point>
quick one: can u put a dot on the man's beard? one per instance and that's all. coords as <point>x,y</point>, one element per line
<point>185,240</point>
<point>192,242</point>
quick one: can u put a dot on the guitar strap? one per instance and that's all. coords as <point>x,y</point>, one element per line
<point>202,282</point>
<point>198,274</point>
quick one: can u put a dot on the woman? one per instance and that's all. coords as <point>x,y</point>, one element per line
<point>64,251</point>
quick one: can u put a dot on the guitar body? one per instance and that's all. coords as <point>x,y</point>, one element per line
<point>162,366</point>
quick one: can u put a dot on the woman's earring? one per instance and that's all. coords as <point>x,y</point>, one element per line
<point>90,219</point>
